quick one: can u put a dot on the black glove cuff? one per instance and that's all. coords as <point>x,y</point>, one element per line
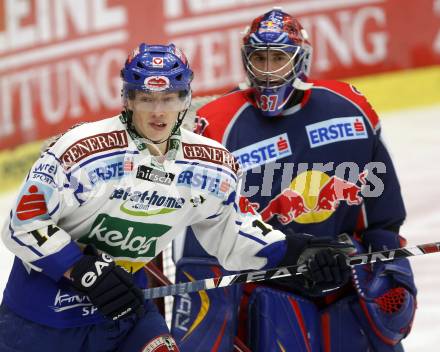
<point>296,244</point>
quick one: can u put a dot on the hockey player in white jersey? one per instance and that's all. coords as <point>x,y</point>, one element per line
<point>109,196</point>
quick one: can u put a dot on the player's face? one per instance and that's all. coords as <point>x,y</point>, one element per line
<point>271,65</point>
<point>155,113</point>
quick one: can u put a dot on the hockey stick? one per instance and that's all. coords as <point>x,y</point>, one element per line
<point>275,273</point>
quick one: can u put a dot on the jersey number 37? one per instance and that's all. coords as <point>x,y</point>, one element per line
<point>268,102</point>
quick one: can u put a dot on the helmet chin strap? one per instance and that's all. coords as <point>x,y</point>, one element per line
<point>176,127</point>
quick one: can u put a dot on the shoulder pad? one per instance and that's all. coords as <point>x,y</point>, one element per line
<point>221,111</point>
<point>351,94</point>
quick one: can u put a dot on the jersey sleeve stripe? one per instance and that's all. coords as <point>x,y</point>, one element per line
<point>252,238</point>
<point>219,169</point>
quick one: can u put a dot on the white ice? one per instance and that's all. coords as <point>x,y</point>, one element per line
<point>412,137</point>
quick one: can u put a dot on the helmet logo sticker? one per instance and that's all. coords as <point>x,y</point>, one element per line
<point>270,26</point>
<point>157,62</point>
<point>157,83</point>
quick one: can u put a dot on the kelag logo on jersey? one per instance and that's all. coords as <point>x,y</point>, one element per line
<point>263,152</point>
<point>154,175</point>
<point>125,240</point>
<point>336,130</point>
<point>146,203</point>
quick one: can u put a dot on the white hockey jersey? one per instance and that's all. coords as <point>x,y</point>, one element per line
<point>98,184</point>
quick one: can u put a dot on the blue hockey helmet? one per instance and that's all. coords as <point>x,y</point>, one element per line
<point>276,33</point>
<point>157,68</point>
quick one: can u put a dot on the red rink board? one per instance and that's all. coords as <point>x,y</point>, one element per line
<point>60,60</point>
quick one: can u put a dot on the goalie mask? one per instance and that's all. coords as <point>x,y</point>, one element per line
<point>276,55</point>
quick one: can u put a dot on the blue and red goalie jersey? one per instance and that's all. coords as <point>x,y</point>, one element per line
<point>321,167</point>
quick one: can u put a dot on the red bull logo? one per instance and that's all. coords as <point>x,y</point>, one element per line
<point>313,197</point>
<point>337,189</point>
<point>286,206</point>
<point>247,207</point>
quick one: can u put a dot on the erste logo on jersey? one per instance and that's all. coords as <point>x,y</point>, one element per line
<point>32,202</point>
<point>336,130</point>
<point>108,170</point>
<point>206,180</point>
<point>263,152</point>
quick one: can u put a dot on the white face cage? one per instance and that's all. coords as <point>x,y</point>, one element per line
<point>266,74</point>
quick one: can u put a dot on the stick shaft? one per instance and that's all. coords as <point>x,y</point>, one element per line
<point>269,274</point>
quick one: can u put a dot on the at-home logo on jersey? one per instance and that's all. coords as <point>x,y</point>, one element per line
<point>263,152</point>
<point>336,130</point>
<point>146,203</point>
<point>129,242</point>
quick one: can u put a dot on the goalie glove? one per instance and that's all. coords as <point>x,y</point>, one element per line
<point>386,291</point>
<point>109,287</point>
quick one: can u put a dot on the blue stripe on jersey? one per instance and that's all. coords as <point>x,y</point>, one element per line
<point>55,157</point>
<point>54,209</point>
<point>56,264</point>
<point>252,238</point>
<point>21,243</point>
<point>88,161</point>
<point>274,253</point>
<point>219,169</point>
<point>213,216</point>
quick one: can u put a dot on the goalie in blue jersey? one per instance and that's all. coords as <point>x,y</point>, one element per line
<point>315,163</point>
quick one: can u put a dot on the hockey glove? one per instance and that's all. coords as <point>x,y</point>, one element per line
<point>110,288</point>
<point>387,294</point>
<point>325,259</point>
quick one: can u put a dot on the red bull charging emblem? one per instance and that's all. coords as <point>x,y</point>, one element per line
<point>313,196</point>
